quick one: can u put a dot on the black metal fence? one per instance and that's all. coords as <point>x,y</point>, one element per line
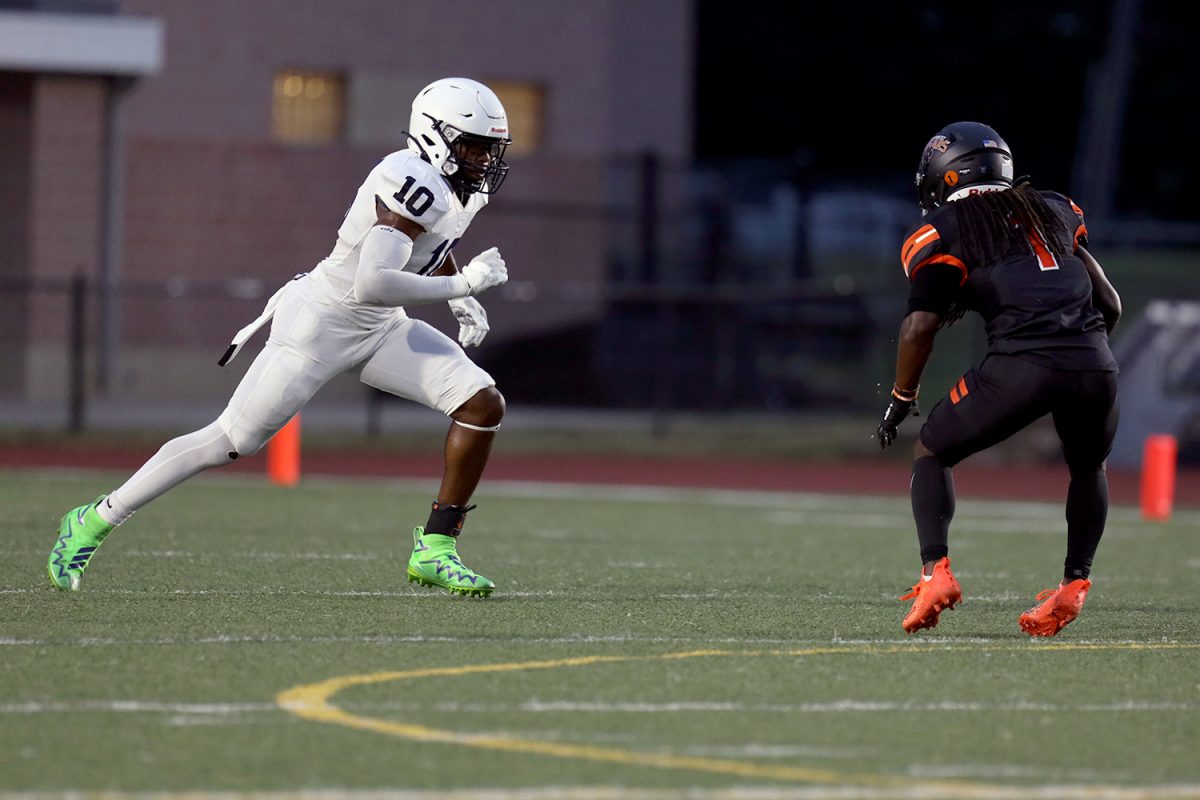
<point>662,348</point>
<point>736,290</point>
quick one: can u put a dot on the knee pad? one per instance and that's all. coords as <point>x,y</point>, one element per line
<point>244,440</point>
<point>214,445</point>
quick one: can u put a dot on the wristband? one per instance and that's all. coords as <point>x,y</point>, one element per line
<point>905,395</point>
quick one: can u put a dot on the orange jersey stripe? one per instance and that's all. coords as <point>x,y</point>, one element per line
<point>922,237</point>
<point>962,387</point>
<point>954,398</point>
<point>1045,258</point>
<point>943,258</point>
<point>1082,229</point>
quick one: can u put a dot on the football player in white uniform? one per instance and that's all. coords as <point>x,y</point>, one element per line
<point>394,248</point>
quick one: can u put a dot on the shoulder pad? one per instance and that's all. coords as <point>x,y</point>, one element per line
<point>1071,215</point>
<point>412,188</point>
<point>928,243</point>
<point>920,241</point>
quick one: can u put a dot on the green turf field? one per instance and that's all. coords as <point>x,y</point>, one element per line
<point>642,643</point>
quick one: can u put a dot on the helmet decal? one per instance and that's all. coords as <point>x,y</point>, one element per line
<point>962,155</point>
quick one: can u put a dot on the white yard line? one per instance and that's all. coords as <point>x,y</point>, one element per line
<point>850,503</point>
<point>572,707</point>
<point>963,523</point>
<point>137,707</point>
<point>415,594</point>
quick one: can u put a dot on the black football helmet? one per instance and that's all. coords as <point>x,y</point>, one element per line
<point>960,156</point>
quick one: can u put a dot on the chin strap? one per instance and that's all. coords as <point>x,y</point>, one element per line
<point>420,148</point>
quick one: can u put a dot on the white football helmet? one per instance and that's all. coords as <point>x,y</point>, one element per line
<point>459,126</point>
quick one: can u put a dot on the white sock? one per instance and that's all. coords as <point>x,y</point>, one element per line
<point>113,511</point>
<point>175,462</point>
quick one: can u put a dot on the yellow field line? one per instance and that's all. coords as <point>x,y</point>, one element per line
<point>312,701</point>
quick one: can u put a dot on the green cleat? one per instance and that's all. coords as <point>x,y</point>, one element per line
<point>79,536</point>
<point>434,562</point>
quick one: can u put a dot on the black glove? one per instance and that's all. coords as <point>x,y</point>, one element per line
<point>895,413</point>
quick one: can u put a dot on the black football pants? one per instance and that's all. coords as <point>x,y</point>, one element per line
<point>993,401</point>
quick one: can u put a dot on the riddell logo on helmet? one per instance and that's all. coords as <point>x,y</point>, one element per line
<point>501,131</point>
<point>971,191</point>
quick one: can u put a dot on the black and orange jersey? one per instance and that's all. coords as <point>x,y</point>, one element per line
<point>1033,303</point>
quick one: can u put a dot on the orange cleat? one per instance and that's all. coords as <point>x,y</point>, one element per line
<point>1062,605</point>
<point>933,596</point>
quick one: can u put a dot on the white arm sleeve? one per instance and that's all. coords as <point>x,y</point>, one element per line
<point>381,281</point>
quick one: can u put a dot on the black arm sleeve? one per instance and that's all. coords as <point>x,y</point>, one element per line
<point>934,288</point>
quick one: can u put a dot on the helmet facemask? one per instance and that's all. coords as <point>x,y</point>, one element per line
<point>473,163</point>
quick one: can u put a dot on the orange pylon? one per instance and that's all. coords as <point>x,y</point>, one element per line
<point>1158,476</point>
<point>283,454</point>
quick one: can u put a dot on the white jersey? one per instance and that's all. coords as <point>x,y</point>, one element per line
<point>414,189</point>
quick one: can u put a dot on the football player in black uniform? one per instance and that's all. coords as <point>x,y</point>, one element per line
<point>1018,257</point>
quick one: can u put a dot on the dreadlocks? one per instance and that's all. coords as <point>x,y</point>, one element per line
<point>995,225</point>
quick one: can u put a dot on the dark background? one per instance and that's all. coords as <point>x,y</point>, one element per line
<point>853,91</point>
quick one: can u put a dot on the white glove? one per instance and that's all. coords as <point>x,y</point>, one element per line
<point>472,320</point>
<point>485,271</point>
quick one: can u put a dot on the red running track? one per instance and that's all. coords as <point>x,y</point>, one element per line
<point>866,476</point>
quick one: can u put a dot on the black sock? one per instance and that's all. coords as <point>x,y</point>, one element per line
<point>447,520</point>
<point>1087,511</point>
<point>932,493</point>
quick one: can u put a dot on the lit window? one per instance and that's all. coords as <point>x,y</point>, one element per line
<point>308,107</point>
<point>525,104</point>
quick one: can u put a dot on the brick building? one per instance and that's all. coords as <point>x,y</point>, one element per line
<point>193,155</point>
